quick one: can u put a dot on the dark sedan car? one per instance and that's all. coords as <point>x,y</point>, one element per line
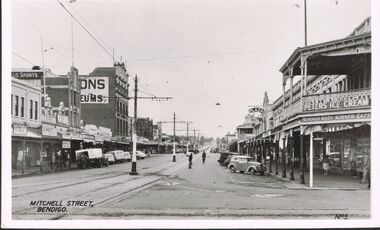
<point>224,155</point>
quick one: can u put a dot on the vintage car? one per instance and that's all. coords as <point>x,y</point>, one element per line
<point>90,157</point>
<point>110,158</point>
<point>247,164</point>
<point>224,156</point>
<point>140,155</point>
<point>118,154</point>
<point>127,156</point>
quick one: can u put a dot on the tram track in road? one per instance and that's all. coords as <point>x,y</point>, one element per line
<point>154,174</point>
<point>112,175</point>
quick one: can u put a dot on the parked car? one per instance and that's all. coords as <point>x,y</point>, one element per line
<point>127,156</point>
<point>188,153</point>
<point>90,157</point>
<point>118,154</point>
<point>224,156</point>
<point>110,158</point>
<point>140,155</point>
<point>244,164</point>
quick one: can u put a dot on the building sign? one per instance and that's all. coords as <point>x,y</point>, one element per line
<point>62,119</point>
<point>28,75</point>
<point>66,135</point>
<point>337,101</point>
<point>335,128</point>
<point>49,130</point>
<point>94,90</point>
<point>344,117</point>
<point>61,130</point>
<point>19,129</point>
<point>66,144</point>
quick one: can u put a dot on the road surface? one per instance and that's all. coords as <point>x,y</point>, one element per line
<point>169,190</point>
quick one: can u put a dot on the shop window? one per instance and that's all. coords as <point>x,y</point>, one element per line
<point>335,154</point>
<point>362,149</point>
<point>31,109</point>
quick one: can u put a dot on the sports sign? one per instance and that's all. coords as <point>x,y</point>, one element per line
<point>94,90</point>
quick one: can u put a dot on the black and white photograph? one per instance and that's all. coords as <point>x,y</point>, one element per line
<point>189,114</point>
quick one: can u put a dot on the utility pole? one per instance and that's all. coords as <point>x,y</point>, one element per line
<point>134,126</point>
<point>174,122</point>
<point>174,140</point>
<point>134,136</point>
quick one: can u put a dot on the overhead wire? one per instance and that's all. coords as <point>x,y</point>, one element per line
<point>22,58</point>
<point>88,25</point>
<point>88,32</point>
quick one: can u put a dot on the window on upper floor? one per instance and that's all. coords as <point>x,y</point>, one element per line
<point>30,109</point>
<point>36,110</point>
<point>11,104</point>
<point>22,107</point>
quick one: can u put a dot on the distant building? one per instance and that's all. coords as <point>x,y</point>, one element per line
<point>144,128</point>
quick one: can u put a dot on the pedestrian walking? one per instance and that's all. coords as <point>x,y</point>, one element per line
<point>190,160</point>
<point>203,157</point>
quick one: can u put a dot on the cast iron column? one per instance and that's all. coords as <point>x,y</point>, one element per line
<point>283,158</point>
<point>292,155</point>
<point>302,177</point>
<point>277,152</point>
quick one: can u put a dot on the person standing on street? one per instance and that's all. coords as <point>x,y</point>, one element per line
<point>203,157</point>
<point>190,160</point>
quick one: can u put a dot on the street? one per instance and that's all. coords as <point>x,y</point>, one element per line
<point>165,189</point>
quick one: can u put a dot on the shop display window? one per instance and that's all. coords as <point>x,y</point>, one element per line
<point>334,156</point>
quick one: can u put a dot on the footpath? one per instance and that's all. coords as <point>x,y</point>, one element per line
<point>321,182</point>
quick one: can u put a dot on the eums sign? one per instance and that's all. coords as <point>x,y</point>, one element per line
<point>94,90</point>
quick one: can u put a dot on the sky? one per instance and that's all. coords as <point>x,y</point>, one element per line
<point>200,52</point>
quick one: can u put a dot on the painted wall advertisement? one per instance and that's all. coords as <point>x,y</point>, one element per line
<point>94,90</point>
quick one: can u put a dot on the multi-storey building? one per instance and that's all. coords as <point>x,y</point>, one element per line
<point>104,99</point>
<point>326,115</point>
<point>26,124</point>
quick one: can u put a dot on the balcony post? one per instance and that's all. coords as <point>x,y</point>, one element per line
<point>277,152</point>
<point>283,93</point>
<point>291,148</point>
<point>302,177</point>
<point>291,84</point>
<point>283,158</point>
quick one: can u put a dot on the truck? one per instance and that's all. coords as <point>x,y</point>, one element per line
<point>90,158</point>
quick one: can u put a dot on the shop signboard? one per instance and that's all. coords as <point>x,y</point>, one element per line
<point>61,130</point>
<point>66,144</point>
<point>76,136</point>
<point>94,90</point>
<point>339,100</point>
<point>63,119</point>
<point>337,118</point>
<point>27,74</point>
<point>19,129</point>
<point>49,130</point>
<point>66,135</point>
<point>88,136</point>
